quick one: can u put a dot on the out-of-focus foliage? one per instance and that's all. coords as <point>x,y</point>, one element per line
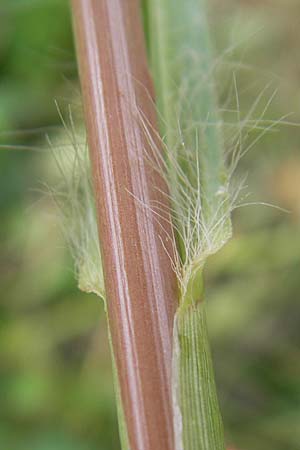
<point>55,373</point>
<point>254,284</point>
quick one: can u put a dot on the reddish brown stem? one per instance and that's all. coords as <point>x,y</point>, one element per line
<point>140,283</point>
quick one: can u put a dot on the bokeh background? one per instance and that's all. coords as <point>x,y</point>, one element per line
<point>56,388</point>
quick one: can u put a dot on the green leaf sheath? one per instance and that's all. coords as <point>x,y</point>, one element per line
<point>202,427</point>
<point>191,129</point>
<point>182,67</point>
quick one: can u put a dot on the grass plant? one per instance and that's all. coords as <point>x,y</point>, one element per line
<point>197,165</point>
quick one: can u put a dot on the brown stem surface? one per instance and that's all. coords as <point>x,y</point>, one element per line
<point>135,242</point>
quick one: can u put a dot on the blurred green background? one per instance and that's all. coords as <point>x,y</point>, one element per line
<point>56,388</point>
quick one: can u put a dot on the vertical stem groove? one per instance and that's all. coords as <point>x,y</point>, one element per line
<point>140,284</point>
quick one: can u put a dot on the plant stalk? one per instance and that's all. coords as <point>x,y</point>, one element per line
<point>135,242</point>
